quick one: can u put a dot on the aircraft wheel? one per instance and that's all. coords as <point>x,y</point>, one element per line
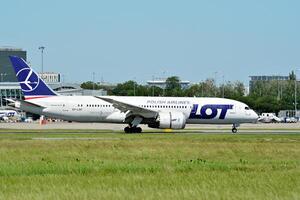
<point>234,130</point>
<point>138,129</point>
<point>127,129</point>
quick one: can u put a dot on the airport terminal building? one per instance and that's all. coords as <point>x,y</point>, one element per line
<point>255,79</point>
<point>162,83</point>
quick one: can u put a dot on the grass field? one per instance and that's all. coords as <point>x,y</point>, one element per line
<point>58,164</point>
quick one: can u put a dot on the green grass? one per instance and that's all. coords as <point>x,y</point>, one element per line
<point>102,165</point>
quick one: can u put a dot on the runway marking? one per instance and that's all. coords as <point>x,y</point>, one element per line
<point>69,138</point>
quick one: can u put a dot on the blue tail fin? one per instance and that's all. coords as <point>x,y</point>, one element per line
<point>31,84</point>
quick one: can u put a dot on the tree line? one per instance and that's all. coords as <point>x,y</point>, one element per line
<point>264,96</point>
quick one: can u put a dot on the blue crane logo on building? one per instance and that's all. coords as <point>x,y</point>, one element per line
<point>209,111</point>
<point>28,79</point>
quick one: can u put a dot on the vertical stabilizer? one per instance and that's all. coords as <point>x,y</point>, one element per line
<point>31,84</point>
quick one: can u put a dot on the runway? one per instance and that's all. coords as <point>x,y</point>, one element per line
<point>279,128</point>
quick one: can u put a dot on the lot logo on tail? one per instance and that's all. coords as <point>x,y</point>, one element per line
<point>29,80</point>
<point>32,86</point>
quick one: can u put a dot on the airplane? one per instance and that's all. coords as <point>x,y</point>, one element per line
<point>156,112</point>
<point>5,115</point>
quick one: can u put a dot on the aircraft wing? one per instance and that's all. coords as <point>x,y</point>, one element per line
<point>131,109</point>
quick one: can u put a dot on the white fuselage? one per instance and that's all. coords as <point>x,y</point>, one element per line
<point>92,109</point>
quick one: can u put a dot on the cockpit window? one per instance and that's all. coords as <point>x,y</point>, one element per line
<point>247,108</point>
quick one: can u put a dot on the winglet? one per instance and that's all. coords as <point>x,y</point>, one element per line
<point>31,84</point>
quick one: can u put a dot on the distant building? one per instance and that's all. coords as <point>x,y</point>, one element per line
<point>10,90</point>
<point>6,70</point>
<point>162,83</point>
<point>50,77</point>
<point>288,113</point>
<point>254,79</point>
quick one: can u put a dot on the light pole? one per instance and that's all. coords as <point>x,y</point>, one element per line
<point>216,74</point>
<point>134,86</point>
<point>153,86</point>
<point>164,86</point>
<point>42,56</point>
<point>223,87</point>
<point>93,77</point>
<point>296,91</point>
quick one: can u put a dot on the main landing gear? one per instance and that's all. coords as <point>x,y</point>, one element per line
<point>234,128</point>
<point>132,129</point>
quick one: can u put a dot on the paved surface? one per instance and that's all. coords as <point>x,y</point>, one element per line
<point>198,128</point>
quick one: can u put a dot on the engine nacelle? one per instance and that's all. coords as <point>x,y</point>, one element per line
<point>173,120</point>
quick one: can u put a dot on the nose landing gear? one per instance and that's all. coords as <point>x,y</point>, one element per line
<point>234,128</point>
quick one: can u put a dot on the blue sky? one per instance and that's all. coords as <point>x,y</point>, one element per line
<point>136,39</point>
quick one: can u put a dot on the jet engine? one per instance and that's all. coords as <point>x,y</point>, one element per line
<point>173,120</point>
